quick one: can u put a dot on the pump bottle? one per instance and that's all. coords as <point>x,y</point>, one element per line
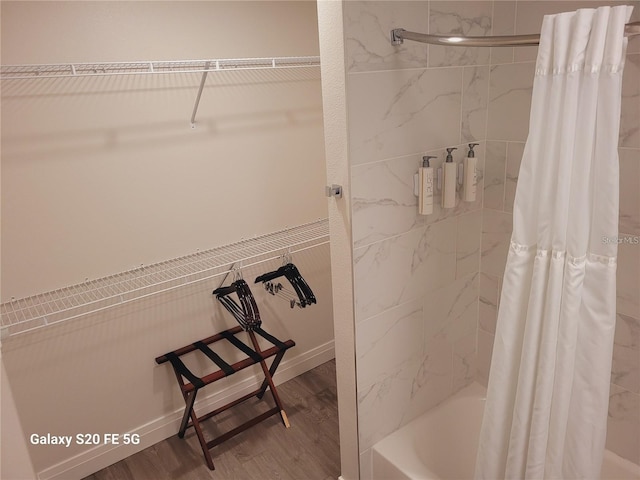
<point>470,181</point>
<point>449,181</point>
<point>425,182</point>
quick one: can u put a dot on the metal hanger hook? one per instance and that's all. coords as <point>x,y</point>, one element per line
<point>237,272</point>
<point>286,257</point>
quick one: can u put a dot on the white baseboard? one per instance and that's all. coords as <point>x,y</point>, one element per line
<point>101,456</point>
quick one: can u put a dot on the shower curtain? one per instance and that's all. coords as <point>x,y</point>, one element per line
<point>548,393</point>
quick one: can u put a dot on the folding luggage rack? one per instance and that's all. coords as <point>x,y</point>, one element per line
<point>190,383</point>
<point>245,311</point>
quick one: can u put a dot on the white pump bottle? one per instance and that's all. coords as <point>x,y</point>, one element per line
<point>470,182</point>
<point>425,182</point>
<point>449,182</point>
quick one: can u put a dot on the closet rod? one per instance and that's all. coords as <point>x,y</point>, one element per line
<point>398,35</point>
<point>72,70</point>
<point>38,311</point>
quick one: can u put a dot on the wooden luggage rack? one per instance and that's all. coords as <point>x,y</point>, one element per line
<point>190,383</point>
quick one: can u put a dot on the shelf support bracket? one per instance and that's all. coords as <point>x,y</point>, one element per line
<point>195,107</point>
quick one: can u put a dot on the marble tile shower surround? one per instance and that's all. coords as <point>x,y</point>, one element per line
<point>494,175</point>
<point>489,294</point>
<point>514,156</point>
<point>629,190</point>
<point>403,268</point>
<point>415,277</point>
<point>504,15</point>
<point>412,100</point>
<point>510,89</point>
<point>367,26</point>
<point>474,104</point>
<point>437,335</point>
<point>629,128</point>
<point>401,112</point>
<point>496,235</point>
<point>628,276</point>
<point>626,354</point>
<point>622,425</point>
<point>468,243</point>
<point>368,23</point>
<point>463,18</point>
<point>379,336</point>
<point>501,174</point>
<point>383,202</point>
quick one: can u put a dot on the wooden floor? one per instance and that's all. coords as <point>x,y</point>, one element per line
<point>309,450</point>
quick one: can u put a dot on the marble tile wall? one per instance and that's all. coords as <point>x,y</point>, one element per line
<point>427,287</point>
<point>510,86</point>
<point>416,278</point>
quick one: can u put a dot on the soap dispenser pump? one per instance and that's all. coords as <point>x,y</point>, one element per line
<point>425,180</point>
<point>470,181</point>
<point>449,181</point>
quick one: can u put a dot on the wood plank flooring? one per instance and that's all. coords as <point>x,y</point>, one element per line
<point>309,450</point>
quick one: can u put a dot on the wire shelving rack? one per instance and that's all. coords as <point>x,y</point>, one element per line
<point>71,70</point>
<point>76,70</point>
<point>92,296</point>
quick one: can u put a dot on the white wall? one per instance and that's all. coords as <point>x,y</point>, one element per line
<point>15,463</point>
<point>15,447</point>
<point>102,174</point>
<point>96,170</point>
<point>330,20</point>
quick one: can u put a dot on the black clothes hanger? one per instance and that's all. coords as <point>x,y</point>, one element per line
<point>302,285</point>
<point>249,302</point>
<point>292,274</point>
<point>246,313</point>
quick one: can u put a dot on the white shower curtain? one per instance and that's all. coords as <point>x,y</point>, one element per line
<point>548,394</point>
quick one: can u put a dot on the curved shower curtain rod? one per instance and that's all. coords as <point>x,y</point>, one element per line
<point>398,35</point>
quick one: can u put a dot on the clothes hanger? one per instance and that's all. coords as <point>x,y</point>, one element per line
<point>288,270</point>
<point>302,285</point>
<point>249,302</point>
<point>246,313</point>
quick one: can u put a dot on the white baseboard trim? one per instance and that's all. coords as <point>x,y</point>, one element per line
<point>101,456</point>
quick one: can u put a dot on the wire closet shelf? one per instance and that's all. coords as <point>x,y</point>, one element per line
<point>70,70</point>
<point>79,70</point>
<point>37,311</point>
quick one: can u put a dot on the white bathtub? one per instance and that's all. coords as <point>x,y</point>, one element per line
<point>442,444</point>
